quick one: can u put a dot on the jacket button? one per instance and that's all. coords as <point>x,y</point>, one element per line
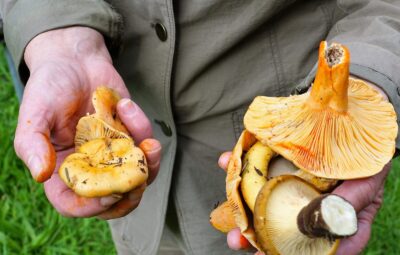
<point>161,32</point>
<point>165,128</point>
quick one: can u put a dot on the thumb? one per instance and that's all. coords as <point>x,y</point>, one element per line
<point>32,138</point>
<point>135,120</point>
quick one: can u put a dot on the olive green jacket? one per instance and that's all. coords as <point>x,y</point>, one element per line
<point>194,67</point>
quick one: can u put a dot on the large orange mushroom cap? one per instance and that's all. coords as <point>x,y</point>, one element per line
<point>342,129</point>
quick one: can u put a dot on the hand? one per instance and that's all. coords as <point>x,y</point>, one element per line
<point>66,66</point>
<point>366,195</point>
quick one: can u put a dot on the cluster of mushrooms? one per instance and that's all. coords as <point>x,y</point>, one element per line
<point>106,160</point>
<point>342,129</point>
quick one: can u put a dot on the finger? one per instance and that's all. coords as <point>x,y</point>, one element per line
<point>69,204</point>
<point>32,138</point>
<point>236,241</point>
<point>361,193</point>
<point>135,120</point>
<point>152,151</point>
<point>224,160</point>
<point>355,244</point>
<point>130,201</point>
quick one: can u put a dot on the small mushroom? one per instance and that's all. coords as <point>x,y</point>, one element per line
<point>241,212</point>
<point>102,167</point>
<point>105,161</point>
<point>105,101</point>
<point>104,122</point>
<point>222,219</point>
<point>292,218</point>
<point>342,129</point>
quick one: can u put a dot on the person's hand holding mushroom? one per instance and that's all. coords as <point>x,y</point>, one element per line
<point>66,66</point>
<point>366,195</point>
<point>343,129</point>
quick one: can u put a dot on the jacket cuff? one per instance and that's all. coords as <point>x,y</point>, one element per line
<point>380,67</point>
<point>29,18</point>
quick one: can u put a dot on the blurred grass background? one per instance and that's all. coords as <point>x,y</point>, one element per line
<point>29,225</point>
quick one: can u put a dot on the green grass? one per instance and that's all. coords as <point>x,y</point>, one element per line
<point>386,228</point>
<point>28,223</point>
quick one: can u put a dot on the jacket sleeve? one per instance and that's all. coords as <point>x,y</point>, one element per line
<point>24,19</point>
<point>371,31</point>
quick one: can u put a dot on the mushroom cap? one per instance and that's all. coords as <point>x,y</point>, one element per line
<point>342,129</point>
<point>233,179</point>
<point>275,218</point>
<point>106,166</point>
<point>105,161</point>
<point>222,218</point>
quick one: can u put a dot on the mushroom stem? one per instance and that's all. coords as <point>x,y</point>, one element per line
<point>332,78</point>
<point>328,216</point>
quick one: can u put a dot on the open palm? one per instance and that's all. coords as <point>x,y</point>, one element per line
<point>57,95</point>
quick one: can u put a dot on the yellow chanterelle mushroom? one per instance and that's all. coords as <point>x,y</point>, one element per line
<point>106,160</point>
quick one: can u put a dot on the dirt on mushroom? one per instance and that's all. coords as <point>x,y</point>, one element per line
<point>106,160</point>
<point>342,129</point>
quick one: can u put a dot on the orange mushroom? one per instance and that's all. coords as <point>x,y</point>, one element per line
<point>342,129</point>
<point>106,161</point>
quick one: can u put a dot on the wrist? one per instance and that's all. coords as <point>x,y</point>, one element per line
<point>65,44</point>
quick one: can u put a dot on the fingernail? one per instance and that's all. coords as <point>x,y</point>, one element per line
<point>35,165</point>
<point>110,200</point>
<point>128,107</point>
<point>150,145</point>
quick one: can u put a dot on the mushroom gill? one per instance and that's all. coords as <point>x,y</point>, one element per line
<point>342,129</point>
